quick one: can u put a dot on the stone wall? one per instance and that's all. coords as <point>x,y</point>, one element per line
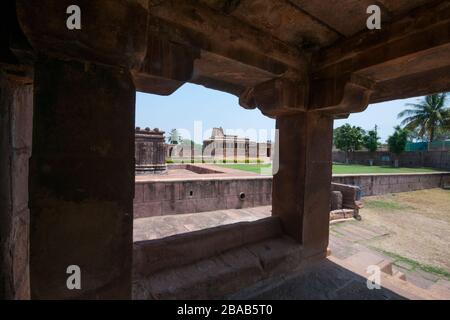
<point>381,184</point>
<point>433,159</point>
<point>16,101</point>
<point>175,197</point>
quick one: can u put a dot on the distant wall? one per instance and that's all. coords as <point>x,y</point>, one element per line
<point>434,159</point>
<point>392,183</point>
<point>175,197</point>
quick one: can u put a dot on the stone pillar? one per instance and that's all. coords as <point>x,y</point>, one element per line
<point>16,114</point>
<point>257,151</point>
<point>235,148</point>
<point>301,188</point>
<point>224,150</point>
<point>247,150</point>
<point>82,180</point>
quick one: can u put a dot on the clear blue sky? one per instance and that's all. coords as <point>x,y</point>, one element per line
<point>192,103</point>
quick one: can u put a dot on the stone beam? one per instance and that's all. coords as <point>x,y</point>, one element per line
<point>166,66</point>
<point>191,23</point>
<point>81,180</point>
<point>433,81</point>
<point>411,45</point>
<point>421,29</point>
<point>112,32</point>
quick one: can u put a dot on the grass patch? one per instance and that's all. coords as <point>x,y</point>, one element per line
<point>256,168</point>
<point>361,169</point>
<point>337,168</point>
<point>384,205</point>
<point>415,264</point>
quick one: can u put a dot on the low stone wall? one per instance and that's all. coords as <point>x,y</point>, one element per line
<point>432,159</point>
<point>193,168</point>
<point>371,184</point>
<point>155,198</point>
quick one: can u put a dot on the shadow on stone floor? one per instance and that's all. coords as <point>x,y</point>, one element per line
<point>324,280</point>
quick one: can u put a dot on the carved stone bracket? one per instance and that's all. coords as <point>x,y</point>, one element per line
<point>341,95</point>
<point>276,97</point>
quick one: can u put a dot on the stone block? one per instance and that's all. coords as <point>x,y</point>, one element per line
<point>210,204</point>
<point>147,209</point>
<point>208,189</point>
<point>189,190</point>
<point>245,186</point>
<point>178,206</point>
<point>138,193</point>
<point>154,191</point>
<point>22,117</point>
<point>20,247</point>
<point>171,191</point>
<point>235,202</point>
<point>228,187</point>
<point>336,200</point>
<point>19,183</point>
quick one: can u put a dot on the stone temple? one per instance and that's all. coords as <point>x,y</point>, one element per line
<point>223,146</point>
<point>150,151</point>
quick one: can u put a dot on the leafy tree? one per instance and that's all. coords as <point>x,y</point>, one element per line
<point>397,142</point>
<point>428,116</point>
<point>174,137</point>
<point>348,138</point>
<point>370,140</point>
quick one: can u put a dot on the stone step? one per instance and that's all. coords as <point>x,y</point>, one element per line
<point>363,259</point>
<point>441,289</point>
<point>150,256</point>
<point>393,282</point>
<point>399,275</point>
<point>223,274</point>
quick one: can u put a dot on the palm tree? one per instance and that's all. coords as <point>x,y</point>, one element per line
<point>174,137</point>
<point>427,116</point>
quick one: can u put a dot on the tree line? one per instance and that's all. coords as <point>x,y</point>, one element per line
<point>427,120</point>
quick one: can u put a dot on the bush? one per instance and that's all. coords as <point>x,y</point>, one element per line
<point>169,161</point>
<point>397,141</point>
<point>370,140</point>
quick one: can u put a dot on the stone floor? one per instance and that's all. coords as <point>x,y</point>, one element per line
<point>165,226</point>
<point>346,244</point>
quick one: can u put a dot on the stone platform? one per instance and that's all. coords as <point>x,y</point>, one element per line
<point>254,261</point>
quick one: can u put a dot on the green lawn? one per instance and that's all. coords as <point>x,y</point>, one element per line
<point>337,168</point>
<point>347,169</point>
